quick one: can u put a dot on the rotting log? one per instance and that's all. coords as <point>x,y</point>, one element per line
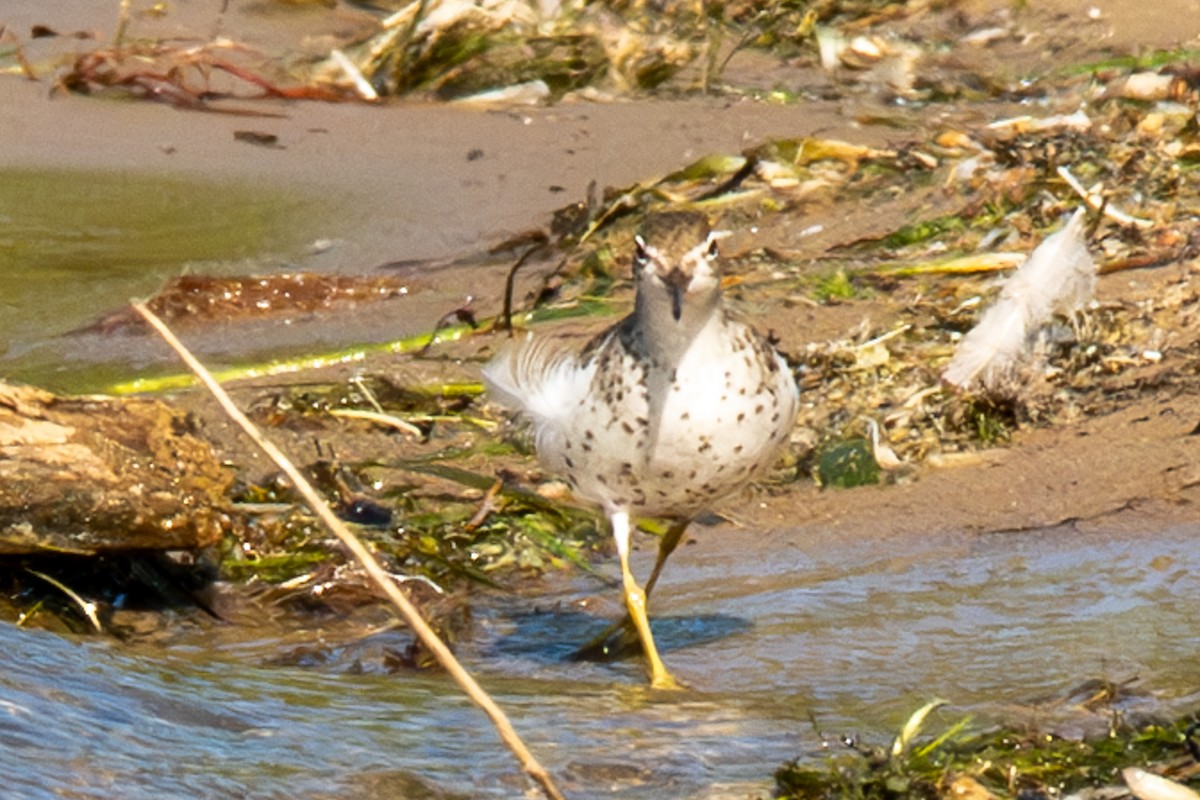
<point>93,475</point>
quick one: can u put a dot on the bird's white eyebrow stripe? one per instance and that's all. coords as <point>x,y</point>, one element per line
<point>653,252</point>
<point>700,251</point>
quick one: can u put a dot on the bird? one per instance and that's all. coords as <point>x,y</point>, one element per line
<point>670,410</point>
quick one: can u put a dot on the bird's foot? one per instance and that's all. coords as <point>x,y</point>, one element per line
<point>666,681</point>
<point>620,640</point>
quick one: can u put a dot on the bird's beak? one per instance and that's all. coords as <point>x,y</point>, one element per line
<point>677,284</point>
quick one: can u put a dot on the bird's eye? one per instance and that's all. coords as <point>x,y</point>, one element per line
<point>640,256</point>
<point>712,248</point>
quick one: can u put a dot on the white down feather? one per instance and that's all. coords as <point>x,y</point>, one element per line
<point>1059,277</point>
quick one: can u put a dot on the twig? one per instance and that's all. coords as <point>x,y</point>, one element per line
<point>408,612</point>
<point>486,507</point>
<point>379,418</point>
<point>361,85</point>
<point>510,283</point>
<point>86,606</point>
<point>1096,202</point>
<point>122,23</point>
<point>459,316</point>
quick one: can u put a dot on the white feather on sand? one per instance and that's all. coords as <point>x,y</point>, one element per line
<point>1059,277</point>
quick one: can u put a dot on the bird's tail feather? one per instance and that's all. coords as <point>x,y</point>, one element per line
<point>537,379</point>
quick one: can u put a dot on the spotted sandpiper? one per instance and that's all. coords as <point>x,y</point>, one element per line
<point>675,407</point>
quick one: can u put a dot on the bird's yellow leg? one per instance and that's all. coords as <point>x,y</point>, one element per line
<point>635,601</point>
<point>666,546</point>
<point>619,635</point>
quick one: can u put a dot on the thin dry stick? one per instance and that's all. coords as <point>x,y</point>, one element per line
<point>122,23</point>
<point>407,610</point>
<point>1099,204</point>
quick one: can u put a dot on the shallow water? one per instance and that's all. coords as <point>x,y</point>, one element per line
<point>852,634</point>
<point>77,244</point>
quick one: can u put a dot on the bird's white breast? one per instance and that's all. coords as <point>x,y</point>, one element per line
<point>672,439</point>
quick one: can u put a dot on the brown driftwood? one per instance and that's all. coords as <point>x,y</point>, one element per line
<point>91,475</point>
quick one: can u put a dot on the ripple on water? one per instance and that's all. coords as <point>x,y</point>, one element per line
<point>852,633</point>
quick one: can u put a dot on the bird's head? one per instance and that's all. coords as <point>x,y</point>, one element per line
<point>675,264</point>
